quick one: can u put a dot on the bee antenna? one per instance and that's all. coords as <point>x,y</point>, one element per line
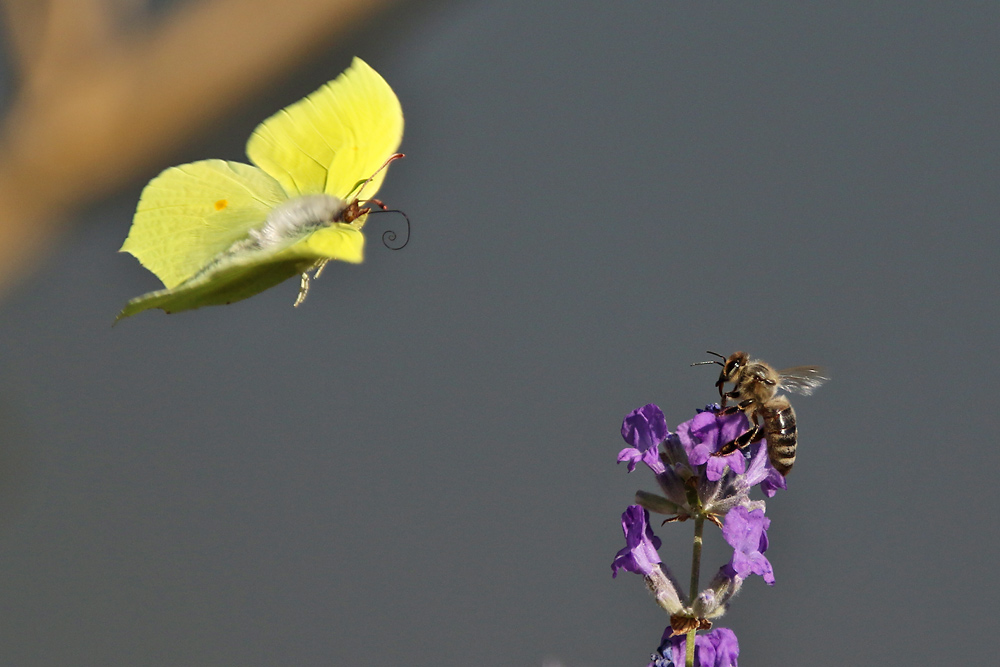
<point>706,363</point>
<point>389,236</point>
<point>720,356</point>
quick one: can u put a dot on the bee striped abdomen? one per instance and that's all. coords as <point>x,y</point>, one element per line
<point>781,434</point>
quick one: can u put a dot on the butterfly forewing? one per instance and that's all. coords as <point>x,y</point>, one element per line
<point>338,135</point>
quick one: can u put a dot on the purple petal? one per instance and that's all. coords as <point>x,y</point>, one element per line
<point>712,430</point>
<point>762,472</point>
<point>771,485</point>
<point>732,427</point>
<point>704,651</point>
<point>645,427</point>
<point>727,649</point>
<point>746,532</point>
<point>630,454</point>
<point>639,554</point>
<point>705,434</point>
<point>774,481</point>
<point>717,648</point>
<point>651,457</point>
<point>692,434</point>
<point>736,461</point>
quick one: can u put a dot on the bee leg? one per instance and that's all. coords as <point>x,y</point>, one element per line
<point>733,409</point>
<point>744,439</point>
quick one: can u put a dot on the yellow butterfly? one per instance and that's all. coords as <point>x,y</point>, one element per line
<point>216,231</point>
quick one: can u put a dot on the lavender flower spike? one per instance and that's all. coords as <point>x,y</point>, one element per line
<point>684,462</point>
<point>746,533</point>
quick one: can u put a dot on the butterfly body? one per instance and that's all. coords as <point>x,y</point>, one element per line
<point>295,219</point>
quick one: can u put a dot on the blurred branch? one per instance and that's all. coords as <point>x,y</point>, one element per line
<point>48,34</point>
<point>97,101</point>
<point>25,24</point>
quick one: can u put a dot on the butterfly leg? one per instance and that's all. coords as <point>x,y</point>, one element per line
<point>304,281</point>
<point>319,266</point>
<point>303,290</point>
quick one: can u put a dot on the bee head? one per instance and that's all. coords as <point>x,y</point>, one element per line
<point>735,362</point>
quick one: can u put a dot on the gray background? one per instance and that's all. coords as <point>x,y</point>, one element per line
<point>418,466</point>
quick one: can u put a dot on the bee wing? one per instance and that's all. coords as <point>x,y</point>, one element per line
<point>802,379</point>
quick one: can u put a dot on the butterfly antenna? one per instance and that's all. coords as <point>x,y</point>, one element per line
<point>389,236</point>
<point>361,184</point>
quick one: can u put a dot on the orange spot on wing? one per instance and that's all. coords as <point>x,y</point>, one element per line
<point>221,204</point>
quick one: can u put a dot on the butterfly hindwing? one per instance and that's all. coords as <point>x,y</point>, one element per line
<point>239,275</point>
<point>224,286</point>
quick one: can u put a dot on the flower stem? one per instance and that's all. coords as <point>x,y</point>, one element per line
<point>699,525</point>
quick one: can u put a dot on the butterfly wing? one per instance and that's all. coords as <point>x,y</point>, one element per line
<point>802,379</point>
<point>240,273</point>
<point>189,214</point>
<point>334,138</point>
<point>223,286</point>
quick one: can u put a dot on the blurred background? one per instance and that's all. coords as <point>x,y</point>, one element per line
<point>417,466</point>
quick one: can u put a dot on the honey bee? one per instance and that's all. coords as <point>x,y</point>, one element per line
<point>756,387</point>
